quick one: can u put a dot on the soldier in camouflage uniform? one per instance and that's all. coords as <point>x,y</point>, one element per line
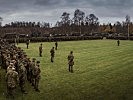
<point>36,73</point>
<point>22,77</point>
<point>29,70</point>
<point>118,42</point>
<point>56,45</point>
<point>12,80</point>
<point>27,43</point>
<point>33,64</point>
<point>52,54</point>
<point>70,61</point>
<point>40,50</point>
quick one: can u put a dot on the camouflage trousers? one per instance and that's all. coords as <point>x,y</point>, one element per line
<point>10,91</point>
<point>36,83</point>
<point>56,48</point>
<point>40,54</point>
<point>52,58</point>
<point>22,85</point>
<point>33,80</point>
<point>70,68</point>
<point>29,76</point>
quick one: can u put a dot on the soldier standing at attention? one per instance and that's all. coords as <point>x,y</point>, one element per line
<point>29,70</point>
<point>33,64</point>
<point>52,54</point>
<point>12,80</point>
<point>56,45</point>
<point>27,43</point>
<point>22,77</point>
<point>70,61</point>
<point>40,50</point>
<point>36,73</point>
<point>118,42</point>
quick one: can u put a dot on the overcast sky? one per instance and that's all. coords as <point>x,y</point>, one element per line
<point>51,10</point>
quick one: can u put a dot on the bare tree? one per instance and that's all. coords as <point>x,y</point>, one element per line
<point>128,24</point>
<point>127,19</point>
<point>65,18</point>
<point>78,17</point>
<point>92,21</point>
<point>118,27</point>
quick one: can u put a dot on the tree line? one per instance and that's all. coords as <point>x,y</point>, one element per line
<point>80,23</point>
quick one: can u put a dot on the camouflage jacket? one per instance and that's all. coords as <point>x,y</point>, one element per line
<point>70,57</point>
<point>12,78</point>
<point>36,72</point>
<point>52,52</point>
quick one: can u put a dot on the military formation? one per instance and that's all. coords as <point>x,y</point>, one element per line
<point>19,68</point>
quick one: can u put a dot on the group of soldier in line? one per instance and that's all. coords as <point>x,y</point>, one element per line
<point>19,68</point>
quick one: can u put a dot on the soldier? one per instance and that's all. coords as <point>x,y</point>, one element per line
<point>70,61</point>
<point>118,42</point>
<point>27,43</point>
<point>36,73</point>
<point>33,64</point>
<point>12,80</point>
<point>29,70</point>
<point>52,54</point>
<point>40,50</point>
<point>22,77</point>
<point>56,45</point>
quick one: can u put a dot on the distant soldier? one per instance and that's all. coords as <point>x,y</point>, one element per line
<point>27,43</point>
<point>52,54</point>
<point>70,61</point>
<point>118,42</point>
<point>40,50</point>
<point>36,73</point>
<point>12,80</point>
<point>56,45</point>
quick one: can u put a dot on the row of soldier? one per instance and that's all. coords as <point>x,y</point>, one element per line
<point>19,68</point>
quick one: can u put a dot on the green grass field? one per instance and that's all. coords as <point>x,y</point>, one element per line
<point>102,71</point>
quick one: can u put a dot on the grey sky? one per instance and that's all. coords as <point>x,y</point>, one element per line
<point>51,10</point>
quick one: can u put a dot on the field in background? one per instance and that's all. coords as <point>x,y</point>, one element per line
<point>102,71</point>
